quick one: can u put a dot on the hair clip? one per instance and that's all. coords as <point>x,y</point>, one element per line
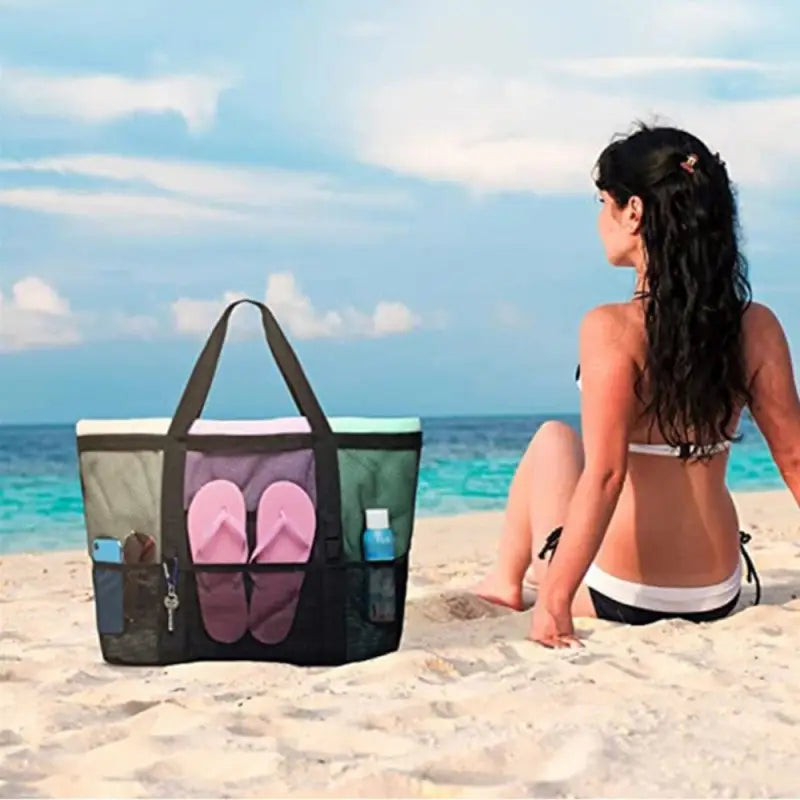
<point>688,165</point>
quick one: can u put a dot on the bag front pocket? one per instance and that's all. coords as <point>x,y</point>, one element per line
<point>278,612</point>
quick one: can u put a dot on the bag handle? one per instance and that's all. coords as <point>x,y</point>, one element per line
<point>199,384</point>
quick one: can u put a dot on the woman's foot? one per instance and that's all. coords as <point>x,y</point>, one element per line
<point>500,592</point>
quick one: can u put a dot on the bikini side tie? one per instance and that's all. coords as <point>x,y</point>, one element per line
<point>752,575</point>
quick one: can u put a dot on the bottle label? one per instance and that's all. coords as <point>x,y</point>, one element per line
<point>378,544</point>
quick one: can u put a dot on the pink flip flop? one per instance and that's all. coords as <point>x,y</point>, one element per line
<point>285,527</point>
<point>217,527</point>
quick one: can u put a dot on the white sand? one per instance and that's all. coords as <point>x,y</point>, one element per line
<point>466,708</point>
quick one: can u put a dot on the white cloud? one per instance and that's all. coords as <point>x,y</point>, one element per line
<point>127,209</point>
<point>502,135</point>
<point>693,25</point>
<point>103,98</point>
<point>391,318</point>
<point>514,37</point>
<point>521,98</point>
<point>35,316</point>
<point>631,66</point>
<point>167,195</point>
<point>295,310</point>
<point>745,134</point>
<point>33,294</point>
<point>197,317</point>
<point>255,187</point>
<point>297,314</point>
<point>487,134</point>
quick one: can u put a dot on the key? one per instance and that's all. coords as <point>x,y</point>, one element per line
<point>171,602</point>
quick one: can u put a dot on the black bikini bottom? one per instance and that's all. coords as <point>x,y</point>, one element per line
<point>607,608</point>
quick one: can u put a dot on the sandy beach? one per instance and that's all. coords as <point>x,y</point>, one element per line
<point>466,708</point>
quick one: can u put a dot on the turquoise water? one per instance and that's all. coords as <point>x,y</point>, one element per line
<point>467,465</point>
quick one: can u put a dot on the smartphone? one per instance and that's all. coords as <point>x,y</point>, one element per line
<point>107,551</point>
<point>108,587</point>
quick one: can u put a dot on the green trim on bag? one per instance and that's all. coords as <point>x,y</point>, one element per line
<point>375,424</point>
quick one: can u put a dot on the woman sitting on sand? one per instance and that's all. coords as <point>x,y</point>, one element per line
<point>634,523</point>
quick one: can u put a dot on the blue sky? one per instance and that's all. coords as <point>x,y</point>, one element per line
<point>407,184</point>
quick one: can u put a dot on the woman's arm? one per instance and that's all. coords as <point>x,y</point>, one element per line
<point>608,405</point>
<point>775,405</point>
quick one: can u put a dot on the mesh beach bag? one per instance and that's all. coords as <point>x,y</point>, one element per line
<point>244,539</point>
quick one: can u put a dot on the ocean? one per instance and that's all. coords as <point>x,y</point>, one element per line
<point>467,465</point>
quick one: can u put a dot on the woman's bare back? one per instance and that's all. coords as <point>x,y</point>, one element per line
<point>675,523</point>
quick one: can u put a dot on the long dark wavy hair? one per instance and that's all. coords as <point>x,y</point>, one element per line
<point>697,286</point>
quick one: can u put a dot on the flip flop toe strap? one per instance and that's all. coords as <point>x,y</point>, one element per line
<point>224,523</point>
<point>283,523</point>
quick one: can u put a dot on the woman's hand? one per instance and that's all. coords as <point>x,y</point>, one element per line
<point>551,625</point>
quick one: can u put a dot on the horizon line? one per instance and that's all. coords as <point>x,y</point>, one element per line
<point>470,415</point>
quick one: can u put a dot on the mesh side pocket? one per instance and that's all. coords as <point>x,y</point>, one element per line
<point>375,606</point>
<point>107,583</point>
<point>141,587</point>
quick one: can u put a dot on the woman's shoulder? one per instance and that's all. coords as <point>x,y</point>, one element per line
<point>611,332</point>
<point>762,334</point>
<point>774,402</point>
<point>617,323</point>
<point>609,314</point>
<point>625,320</point>
<point>758,318</point>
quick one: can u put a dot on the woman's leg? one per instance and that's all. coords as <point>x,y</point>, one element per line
<point>540,493</point>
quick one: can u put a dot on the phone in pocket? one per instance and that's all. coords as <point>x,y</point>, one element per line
<point>107,551</point>
<point>108,594</point>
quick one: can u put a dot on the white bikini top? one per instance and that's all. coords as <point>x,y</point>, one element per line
<point>659,449</point>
